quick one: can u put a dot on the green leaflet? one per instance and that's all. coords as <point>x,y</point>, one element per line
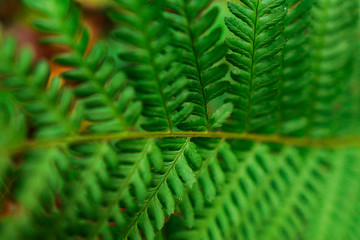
<point>62,21</point>
<point>157,77</point>
<point>332,35</point>
<point>46,102</point>
<point>332,207</point>
<point>99,83</point>
<point>103,172</point>
<point>41,179</point>
<point>256,196</point>
<point>168,187</point>
<point>256,57</point>
<point>108,101</point>
<point>13,131</point>
<point>201,59</point>
<point>294,87</point>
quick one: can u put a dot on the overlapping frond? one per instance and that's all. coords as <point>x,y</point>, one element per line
<point>256,54</point>
<point>201,55</point>
<point>258,199</point>
<point>152,63</point>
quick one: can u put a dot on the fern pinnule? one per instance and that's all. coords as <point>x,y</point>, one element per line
<point>201,53</point>
<point>308,177</point>
<point>169,186</point>
<point>151,64</point>
<point>334,205</point>
<point>256,57</point>
<point>47,102</point>
<point>39,183</point>
<point>331,40</point>
<point>62,21</point>
<point>295,82</point>
<point>109,103</point>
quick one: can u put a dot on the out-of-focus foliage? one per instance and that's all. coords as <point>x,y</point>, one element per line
<point>180,119</point>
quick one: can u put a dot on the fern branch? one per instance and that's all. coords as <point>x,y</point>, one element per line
<point>47,103</point>
<point>143,212</point>
<point>94,73</point>
<point>192,23</point>
<point>118,194</point>
<point>294,87</point>
<point>210,221</point>
<point>339,199</point>
<point>152,65</point>
<point>332,51</point>
<point>308,182</point>
<point>256,56</point>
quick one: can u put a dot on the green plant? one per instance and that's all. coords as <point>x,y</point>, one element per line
<point>186,126</point>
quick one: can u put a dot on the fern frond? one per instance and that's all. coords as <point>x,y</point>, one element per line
<point>126,163</point>
<point>108,102</point>
<point>294,87</point>
<point>48,104</point>
<point>340,199</point>
<point>332,49</point>
<point>215,211</point>
<point>168,186</point>
<point>13,133</point>
<point>256,56</point>
<point>62,21</point>
<point>39,181</point>
<point>303,182</point>
<point>257,194</point>
<point>211,181</point>
<point>201,56</point>
<point>152,67</point>
<point>122,145</point>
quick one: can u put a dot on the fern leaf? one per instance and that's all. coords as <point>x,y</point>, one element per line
<point>307,181</point>
<point>294,87</point>
<point>125,164</point>
<point>13,134</point>
<point>256,56</point>
<point>122,146</point>
<point>170,186</point>
<point>340,199</point>
<point>47,102</point>
<point>41,179</point>
<point>152,67</point>
<point>61,20</point>
<point>331,35</point>
<point>202,54</point>
<point>211,181</point>
<point>109,105</point>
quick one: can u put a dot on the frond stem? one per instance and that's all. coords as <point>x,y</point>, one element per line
<point>299,142</point>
